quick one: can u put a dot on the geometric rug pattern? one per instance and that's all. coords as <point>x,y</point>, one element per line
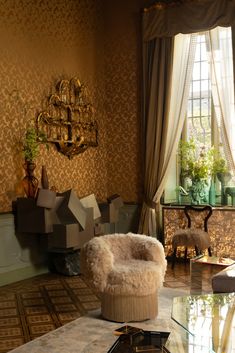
<point>31,308</point>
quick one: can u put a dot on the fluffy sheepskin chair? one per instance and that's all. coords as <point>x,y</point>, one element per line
<point>127,270</point>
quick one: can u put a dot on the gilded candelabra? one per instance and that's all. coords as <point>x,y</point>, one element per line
<point>68,121</point>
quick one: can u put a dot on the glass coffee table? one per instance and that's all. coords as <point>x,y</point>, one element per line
<point>209,320</point>
<point>199,263</point>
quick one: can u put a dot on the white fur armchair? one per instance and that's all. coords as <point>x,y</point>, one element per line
<point>127,270</point>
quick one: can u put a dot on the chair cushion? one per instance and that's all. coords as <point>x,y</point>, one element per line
<point>191,237</point>
<point>134,277</point>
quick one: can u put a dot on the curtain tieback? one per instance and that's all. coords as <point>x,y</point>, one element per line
<point>150,203</point>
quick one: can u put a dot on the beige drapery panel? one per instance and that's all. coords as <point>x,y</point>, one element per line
<point>160,24</point>
<point>157,85</point>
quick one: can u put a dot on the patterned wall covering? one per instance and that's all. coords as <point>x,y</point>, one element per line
<point>45,41</point>
<point>123,98</point>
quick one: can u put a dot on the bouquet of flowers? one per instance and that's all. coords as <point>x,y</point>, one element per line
<point>199,163</point>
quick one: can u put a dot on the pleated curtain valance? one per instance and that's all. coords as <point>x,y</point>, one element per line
<point>169,19</point>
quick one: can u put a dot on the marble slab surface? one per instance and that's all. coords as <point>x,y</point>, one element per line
<point>88,334</point>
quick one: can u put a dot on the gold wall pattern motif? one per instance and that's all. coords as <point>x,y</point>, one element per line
<point>46,41</point>
<point>123,67</point>
<point>221,228</point>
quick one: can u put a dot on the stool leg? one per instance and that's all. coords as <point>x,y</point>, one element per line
<point>209,251</point>
<point>174,258</point>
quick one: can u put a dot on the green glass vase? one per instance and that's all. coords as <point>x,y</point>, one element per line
<point>212,193</point>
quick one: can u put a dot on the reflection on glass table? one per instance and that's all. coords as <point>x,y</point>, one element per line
<point>199,263</point>
<point>133,339</point>
<point>209,320</point>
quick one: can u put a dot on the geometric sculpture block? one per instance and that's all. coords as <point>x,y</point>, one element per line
<point>110,211</point>
<point>46,198</point>
<point>70,235</point>
<point>71,209</point>
<point>90,201</point>
<point>31,218</point>
<point>116,200</point>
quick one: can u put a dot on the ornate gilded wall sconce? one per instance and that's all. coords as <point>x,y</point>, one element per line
<point>68,121</point>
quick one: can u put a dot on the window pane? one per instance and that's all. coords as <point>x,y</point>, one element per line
<point>203,52</point>
<point>196,89</point>
<point>197,53</point>
<point>205,107</point>
<point>189,111</point>
<point>199,104</point>
<point>190,91</point>
<point>205,88</point>
<point>205,124</point>
<point>194,125</point>
<point>196,71</point>
<point>196,107</point>
<point>204,70</point>
<point>200,129</point>
<point>201,38</point>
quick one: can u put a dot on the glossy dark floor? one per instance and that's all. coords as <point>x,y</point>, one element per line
<point>179,277</point>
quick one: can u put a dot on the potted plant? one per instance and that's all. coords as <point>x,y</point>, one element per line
<point>220,170</point>
<point>200,165</point>
<point>33,138</point>
<point>195,166</point>
<point>30,148</point>
<point>219,165</point>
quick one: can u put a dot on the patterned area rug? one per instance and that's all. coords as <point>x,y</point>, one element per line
<point>31,308</point>
<point>92,333</point>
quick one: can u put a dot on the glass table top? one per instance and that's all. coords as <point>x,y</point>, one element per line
<point>209,320</point>
<point>213,260</point>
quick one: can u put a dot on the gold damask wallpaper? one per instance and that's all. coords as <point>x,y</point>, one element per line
<point>123,98</point>
<point>97,41</point>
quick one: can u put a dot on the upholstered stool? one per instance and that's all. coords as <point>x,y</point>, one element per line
<point>192,236</point>
<point>224,281</point>
<point>127,270</point>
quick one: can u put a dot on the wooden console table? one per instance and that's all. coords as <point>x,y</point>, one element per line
<point>221,228</point>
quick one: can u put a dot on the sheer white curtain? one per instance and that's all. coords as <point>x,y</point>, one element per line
<point>220,55</point>
<point>184,51</point>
